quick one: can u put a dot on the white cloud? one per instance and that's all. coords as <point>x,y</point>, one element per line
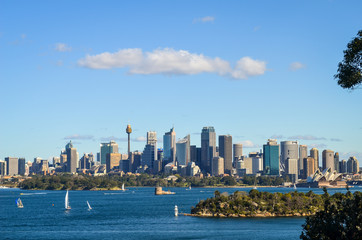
<point>79,137</point>
<point>172,62</point>
<point>140,139</point>
<point>296,66</point>
<point>347,155</point>
<point>277,136</point>
<point>249,144</point>
<point>306,137</point>
<point>62,47</point>
<point>204,19</point>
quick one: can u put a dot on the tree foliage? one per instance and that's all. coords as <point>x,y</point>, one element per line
<point>341,218</point>
<point>349,70</point>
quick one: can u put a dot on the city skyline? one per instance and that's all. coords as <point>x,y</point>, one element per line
<point>252,70</point>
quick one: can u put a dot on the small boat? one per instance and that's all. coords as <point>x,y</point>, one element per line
<point>189,188</point>
<point>255,188</point>
<point>19,203</point>
<point>67,206</point>
<point>123,187</point>
<point>176,211</point>
<point>295,187</point>
<point>89,207</point>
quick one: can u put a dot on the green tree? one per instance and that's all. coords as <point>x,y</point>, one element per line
<point>349,69</point>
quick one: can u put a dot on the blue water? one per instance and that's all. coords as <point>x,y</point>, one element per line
<point>134,214</point>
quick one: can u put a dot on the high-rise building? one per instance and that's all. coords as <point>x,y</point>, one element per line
<point>150,151</point>
<point>208,148</point>
<point>336,162</point>
<point>271,157</point>
<point>87,161</point>
<point>12,166</point>
<point>193,153</point>
<point>226,152</point>
<point>21,166</point>
<point>217,167</point>
<point>314,153</point>
<point>238,151</point>
<point>303,153</point>
<point>183,151</point>
<point>129,131</point>
<point>112,161</point>
<point>169,146</point>
<point>106,148</point>
<point>288,149</point>
<point>352,165</point>
<point>343,166</point>
<point>309,167</point>
<point>328,159</point>
<point>292,168</point>
<point>72,158</point>
<point>2,168</point>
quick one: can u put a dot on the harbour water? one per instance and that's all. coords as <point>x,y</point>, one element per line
<point>133,214</point>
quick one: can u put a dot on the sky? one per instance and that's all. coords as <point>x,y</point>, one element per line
<point>83,70</point>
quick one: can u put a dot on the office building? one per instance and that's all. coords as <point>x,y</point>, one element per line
<point>238,151</point>
<point>169,146</point>
<point>328,159</point>
<point>2,168</point>
<point>150,151</point>
<point>288,149</point>
<point>271,157</point>
<point>208,148</point>
<point>257,164</point>
<point>87,161</point>
<point>12,166</point>
<point>314,153</point>
<point>106,148</point>
<point>303,153</point>
<point>21,166</point>
<point>343,166</point>
<point>193,153</point>
<point>292,169</point>
<point>336,162</point>
<point>183,151</point>
<point>352,165</point>
<point>112,161</point>
<point>72,158</point>
<point>308,167</point>
<point>226,152</point>
<point>217,167</point>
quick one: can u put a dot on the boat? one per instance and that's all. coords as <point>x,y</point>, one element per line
<point>123,187</point>
<point>295,187</point>
<point>189,188</point>
<point>89,207</point>
<point>176,211</point>
<point>67,206</point>
<point>19,203</point>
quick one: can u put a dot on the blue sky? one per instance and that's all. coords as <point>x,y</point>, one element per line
<point>83,70</point>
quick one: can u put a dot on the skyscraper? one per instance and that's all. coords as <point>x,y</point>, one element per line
<point>238,151</point>
<point>314,153</point>
<point>352,165</point>
<point>288,149</point>
<point>12,166</point>
<point>271,157</point>
<point>72,158</point>
<point>21,166</point>
<point>226,152</point>
<point>150,151</point>
<point>129,131</point>
<point>217,166</point>
<point>183,151</point>
<point>2,168</point>
<point>343,166</point>
<point>208,148</point>
<point>336,162</point>
<point>309,167</point>
<point>303,153</point>
<point>107,148</point>
<point>328,159</point>
<point>169,146</point>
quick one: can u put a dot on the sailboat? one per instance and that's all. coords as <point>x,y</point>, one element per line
<point>67,206</point>
<point>255,184</point>
<point>19,203</point>
<point>189,188</point>
<point>295,187</point>
<point>123,187</point>
<point>89,207</point>
<point>176,211</point>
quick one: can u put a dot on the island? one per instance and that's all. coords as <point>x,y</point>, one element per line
<point>262,204</point>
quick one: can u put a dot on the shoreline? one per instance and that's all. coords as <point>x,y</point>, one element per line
<point>257,215</point>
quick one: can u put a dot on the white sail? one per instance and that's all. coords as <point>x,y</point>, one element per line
<point>19,203</point>
<point>176,211</point>
<point>295,187</point>
<point>123,187</point>
<point>89,207</point>
<point>67,201</point>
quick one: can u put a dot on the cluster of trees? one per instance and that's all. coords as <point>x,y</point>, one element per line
<point>257,203</point>
<point>85,182</point>
<point>340,218</point>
